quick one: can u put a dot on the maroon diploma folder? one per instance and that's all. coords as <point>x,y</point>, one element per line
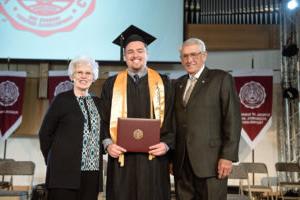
<point>138,134</point>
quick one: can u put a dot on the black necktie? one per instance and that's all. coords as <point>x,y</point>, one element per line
<point>136,78</point>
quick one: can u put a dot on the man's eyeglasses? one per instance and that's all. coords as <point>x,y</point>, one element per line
<point>192,55</point>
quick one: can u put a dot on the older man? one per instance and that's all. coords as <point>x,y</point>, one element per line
<point>208,125</point>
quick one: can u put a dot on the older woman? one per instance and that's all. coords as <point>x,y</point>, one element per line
<point>70,138</point>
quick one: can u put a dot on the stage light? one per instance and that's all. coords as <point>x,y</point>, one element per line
<point>292,4</point>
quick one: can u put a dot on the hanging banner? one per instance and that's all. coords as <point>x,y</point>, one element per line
<point>58,81</point>
<point>12,85</point>
<point>254,88</point>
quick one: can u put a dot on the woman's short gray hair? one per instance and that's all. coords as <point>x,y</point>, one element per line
<point>194,41</point>
<point>86,60</point>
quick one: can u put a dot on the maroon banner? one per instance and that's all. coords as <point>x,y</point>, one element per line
<point>58,81</point>
<point>255,92</point>
<point>12,84</point>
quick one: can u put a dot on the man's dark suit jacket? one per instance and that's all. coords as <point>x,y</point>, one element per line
<point>208,127</point>
<point>61,142</point>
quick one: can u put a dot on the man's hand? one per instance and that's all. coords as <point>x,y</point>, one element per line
<point>115,150</point>
<point>158,149</point>
<point>224,168</point>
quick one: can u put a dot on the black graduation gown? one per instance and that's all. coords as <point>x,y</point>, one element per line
<point>140,178</point>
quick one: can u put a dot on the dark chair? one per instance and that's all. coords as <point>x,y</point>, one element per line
<point>3,183</point>
<point>240,174</point>
<point>287,170</point>
<point>258,170</point>
<point>17,168</point>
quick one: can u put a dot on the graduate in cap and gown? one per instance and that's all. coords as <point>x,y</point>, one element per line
<point>137,92</point>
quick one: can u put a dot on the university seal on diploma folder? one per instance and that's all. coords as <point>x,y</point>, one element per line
<point>138,134</point>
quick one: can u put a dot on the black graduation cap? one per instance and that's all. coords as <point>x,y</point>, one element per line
<point>132,33</point>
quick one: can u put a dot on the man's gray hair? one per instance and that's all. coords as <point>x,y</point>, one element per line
<point>83,60</point>
<point>194,41</point>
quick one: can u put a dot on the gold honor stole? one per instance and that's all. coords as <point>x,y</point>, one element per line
<point>119,102</point>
